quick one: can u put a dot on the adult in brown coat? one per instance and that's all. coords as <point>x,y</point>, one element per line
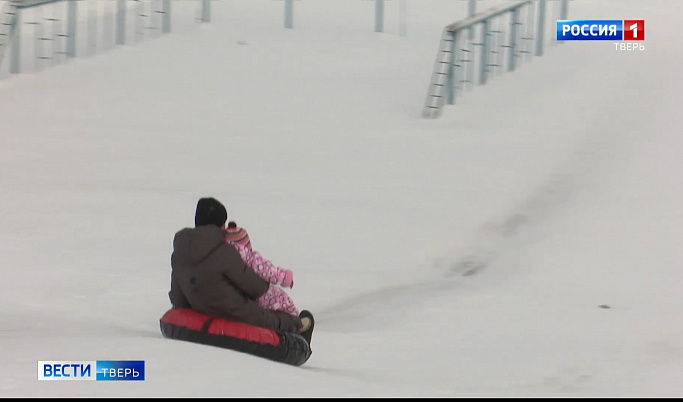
<point>209,276</point>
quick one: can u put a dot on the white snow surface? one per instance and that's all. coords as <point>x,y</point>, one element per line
<point>527,243</point>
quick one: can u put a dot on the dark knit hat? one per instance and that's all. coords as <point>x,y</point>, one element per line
<point>210,212</point>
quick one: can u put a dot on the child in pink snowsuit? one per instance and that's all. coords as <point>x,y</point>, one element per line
<point>275,298</point>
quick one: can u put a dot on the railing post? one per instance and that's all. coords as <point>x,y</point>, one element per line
<point>471,10</point>
<point>452,78</point>
<point>379,15</point>
<point>289,14</point>
<point>166,16</point>
<point>484,52</point>
<point>15,56</point>
<point>513,39</point>
<point>540,28</point>
<point>206,10</point>
<point>564,14</point>
<point>121,22</point>
<point>71,23</point>
<point>564,9</point>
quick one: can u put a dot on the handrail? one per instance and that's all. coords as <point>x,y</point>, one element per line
<point>23,4</point>
<point>484,15</point>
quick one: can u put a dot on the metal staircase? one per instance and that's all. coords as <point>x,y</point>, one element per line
<point>475,47</point>
<point>442,83</point>
<point>8,12</point>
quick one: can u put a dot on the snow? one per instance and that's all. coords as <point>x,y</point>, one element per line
<point>560,183</point>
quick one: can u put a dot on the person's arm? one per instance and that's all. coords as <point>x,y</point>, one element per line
<point>266,269</point>
<point>240,274</point>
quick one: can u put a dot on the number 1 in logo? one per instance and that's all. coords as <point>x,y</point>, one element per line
<point>635,30</point>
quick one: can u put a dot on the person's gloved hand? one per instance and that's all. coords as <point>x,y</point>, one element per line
<point>288,282</point>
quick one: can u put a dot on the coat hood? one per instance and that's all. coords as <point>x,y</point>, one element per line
<point>195,244</point>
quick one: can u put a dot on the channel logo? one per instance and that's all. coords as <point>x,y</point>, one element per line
<point>96,370</point>
<point>613,30</point>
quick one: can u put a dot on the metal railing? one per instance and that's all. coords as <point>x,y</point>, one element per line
<point>58,27</point>
<point>488,43</point>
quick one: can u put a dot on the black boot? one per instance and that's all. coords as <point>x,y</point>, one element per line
<point>307,334</point>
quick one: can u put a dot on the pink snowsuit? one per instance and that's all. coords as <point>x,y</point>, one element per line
<point>275,297</point>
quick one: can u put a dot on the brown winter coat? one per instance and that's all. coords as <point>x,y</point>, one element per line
<point>209,276</point>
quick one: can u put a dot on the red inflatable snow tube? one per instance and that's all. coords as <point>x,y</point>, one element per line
<point>192,326</point>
